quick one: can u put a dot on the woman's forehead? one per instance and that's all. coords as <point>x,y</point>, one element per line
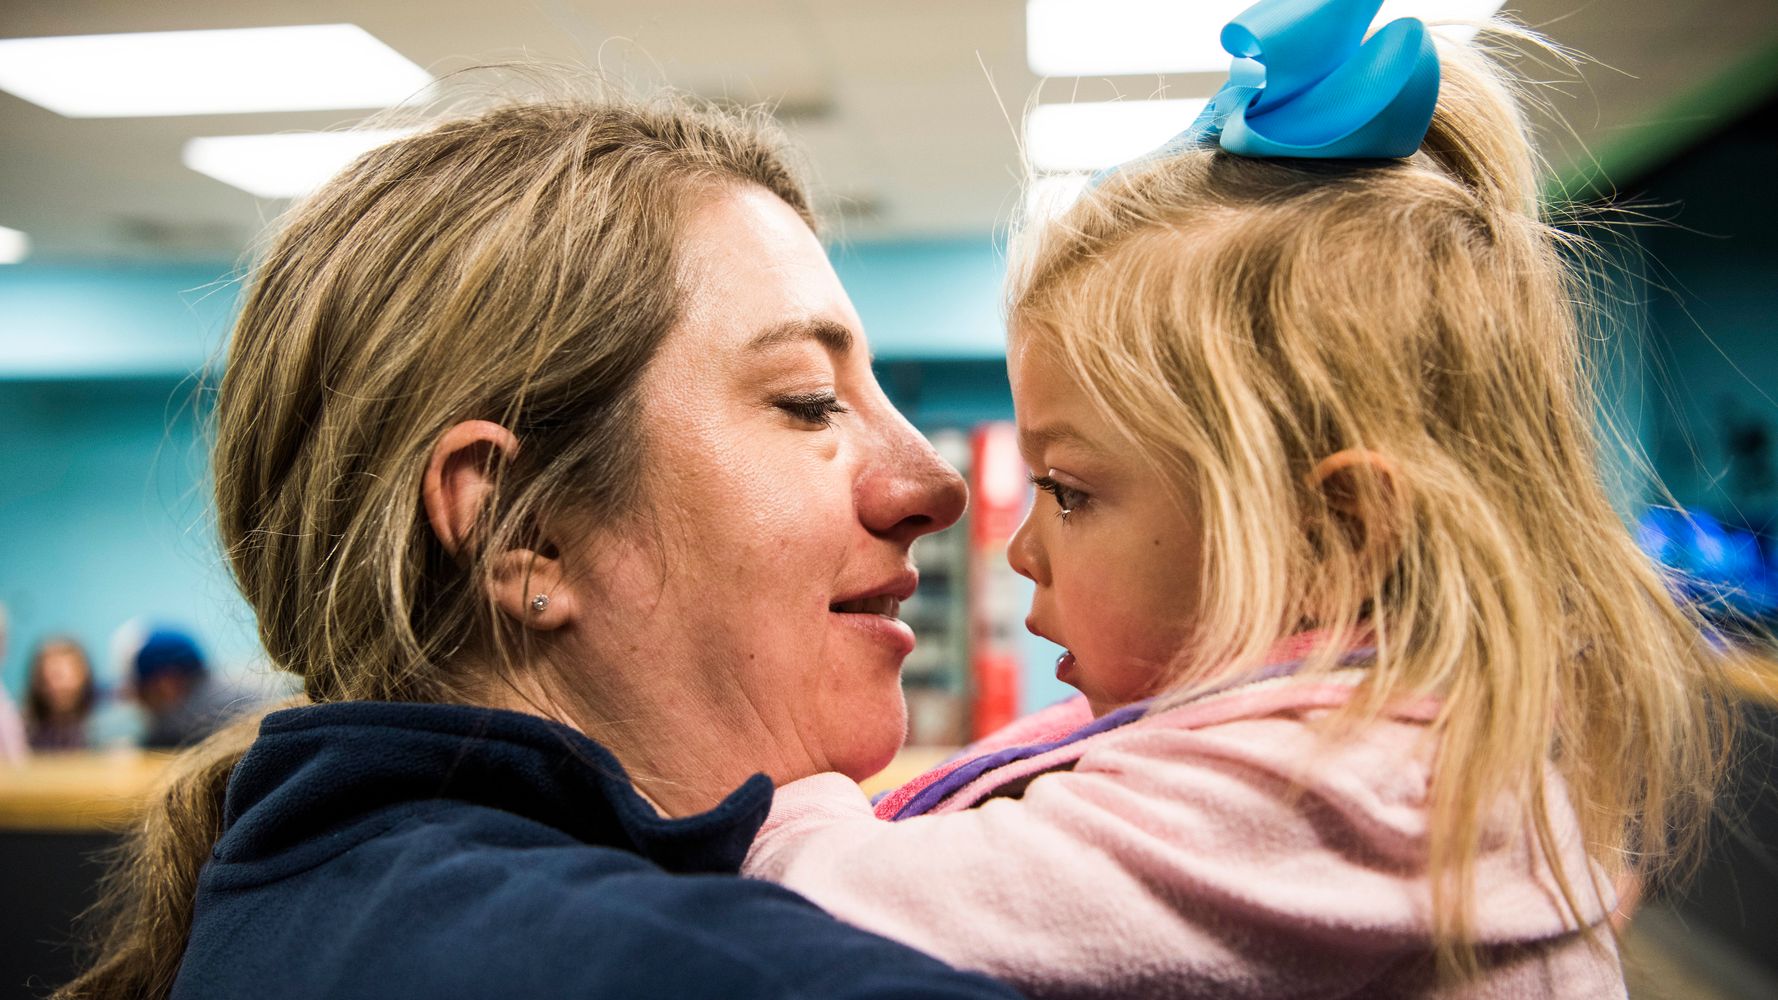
<point>752,270</point>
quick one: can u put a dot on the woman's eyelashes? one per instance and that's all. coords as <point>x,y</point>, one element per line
<point>1068,499</point>
<point>817,408</point>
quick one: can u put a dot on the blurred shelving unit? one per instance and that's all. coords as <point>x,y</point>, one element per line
<point>936,675</point>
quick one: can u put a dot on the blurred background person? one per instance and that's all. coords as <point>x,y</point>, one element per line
<point>182,700</point>
<point>13,748</point>
<point>59,695</point>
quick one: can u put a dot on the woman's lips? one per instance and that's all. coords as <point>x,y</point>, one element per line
<point>890,632</point>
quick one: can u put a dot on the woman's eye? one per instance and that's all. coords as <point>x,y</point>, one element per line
<point>812,407</point>
<point>1068,499</point>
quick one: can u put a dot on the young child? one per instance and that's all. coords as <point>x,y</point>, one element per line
<point>1379,696</point>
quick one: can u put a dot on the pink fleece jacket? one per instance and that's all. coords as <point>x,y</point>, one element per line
<point>1223,848</point>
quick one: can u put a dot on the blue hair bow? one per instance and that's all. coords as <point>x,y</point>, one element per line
<point>1306,83</point>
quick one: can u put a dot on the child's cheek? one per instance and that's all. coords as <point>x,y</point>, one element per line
<point>1125,650</point>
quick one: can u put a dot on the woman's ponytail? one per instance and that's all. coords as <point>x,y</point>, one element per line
<point>139,927</point>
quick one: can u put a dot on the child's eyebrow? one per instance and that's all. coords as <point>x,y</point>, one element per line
<point>1033,440</point>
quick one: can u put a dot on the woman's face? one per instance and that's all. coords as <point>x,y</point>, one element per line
<point>755,595</point>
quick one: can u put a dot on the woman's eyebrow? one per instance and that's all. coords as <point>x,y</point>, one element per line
<point>829,334</point>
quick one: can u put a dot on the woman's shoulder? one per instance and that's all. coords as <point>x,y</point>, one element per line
<point>477,901</point>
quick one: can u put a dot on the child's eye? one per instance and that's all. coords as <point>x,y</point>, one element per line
<point>812,407</point>
<point>1068,499</point>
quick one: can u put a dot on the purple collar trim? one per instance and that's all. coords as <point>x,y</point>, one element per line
<point>929,797</point>
<point>938,791</point>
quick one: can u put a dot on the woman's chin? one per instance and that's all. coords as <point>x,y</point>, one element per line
<point>867,747</point>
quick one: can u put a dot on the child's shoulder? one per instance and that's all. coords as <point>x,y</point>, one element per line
<point>1273,723</point>
<point>1283,740</point>
<point>1288,724</point>
<point>1241,834</point>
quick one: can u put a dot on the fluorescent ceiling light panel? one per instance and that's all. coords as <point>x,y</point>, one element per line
<point>1094,135</point>
<point>289,165</point>
<point>312,67</point>
<point>14,245</point>
<point>1129,37</point>
<point>1119,37</point>
<point>1433,11</point>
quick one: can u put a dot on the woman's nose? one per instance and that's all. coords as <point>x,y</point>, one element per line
<point>910,490</point>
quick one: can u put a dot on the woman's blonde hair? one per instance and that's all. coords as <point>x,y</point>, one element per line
<point>1240,320</point>
<point>517,265</point>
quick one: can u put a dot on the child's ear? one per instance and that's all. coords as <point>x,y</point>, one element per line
<point>456,491</point>
<point>1366,495</point>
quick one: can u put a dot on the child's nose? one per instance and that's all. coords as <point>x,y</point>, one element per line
<point>1025,554</point>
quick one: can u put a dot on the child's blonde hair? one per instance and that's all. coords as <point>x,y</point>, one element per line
<point>1240,320</point>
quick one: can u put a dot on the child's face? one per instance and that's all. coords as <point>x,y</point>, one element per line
<point>1117,578</point>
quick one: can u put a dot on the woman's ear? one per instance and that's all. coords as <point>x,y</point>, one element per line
<point>459,481</point>
<point>529,587</point>
<point>1365,494</point>
<point>457,490</point>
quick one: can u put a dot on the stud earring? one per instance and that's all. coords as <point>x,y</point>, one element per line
<point>539,602</point>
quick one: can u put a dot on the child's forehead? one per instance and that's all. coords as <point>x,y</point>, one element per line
<point>1038,379</point>
<point>1035,360</point>
<point>1050,407</point>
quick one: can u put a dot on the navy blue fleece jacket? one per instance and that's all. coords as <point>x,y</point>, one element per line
<point>438,851</point>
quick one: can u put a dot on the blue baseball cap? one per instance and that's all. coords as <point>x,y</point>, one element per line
<point>168,651</point>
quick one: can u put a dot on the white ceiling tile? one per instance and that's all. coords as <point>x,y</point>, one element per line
<point>915,96</point>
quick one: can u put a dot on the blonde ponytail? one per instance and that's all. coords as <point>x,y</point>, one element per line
<point>1479,135</point>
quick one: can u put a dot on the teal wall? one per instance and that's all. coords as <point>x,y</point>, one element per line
<point>60,322</point>
<point>929,299</point>
<point>102,499</point>
<point>1713,320</point>
<point>1619,341</point>
<point>102,463</point>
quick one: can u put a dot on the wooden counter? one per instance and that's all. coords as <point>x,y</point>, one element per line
<point>101,791</point>
<point>77,791</point>
<point>909,764</point>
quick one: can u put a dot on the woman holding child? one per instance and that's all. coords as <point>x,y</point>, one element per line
<point>550,458</point>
